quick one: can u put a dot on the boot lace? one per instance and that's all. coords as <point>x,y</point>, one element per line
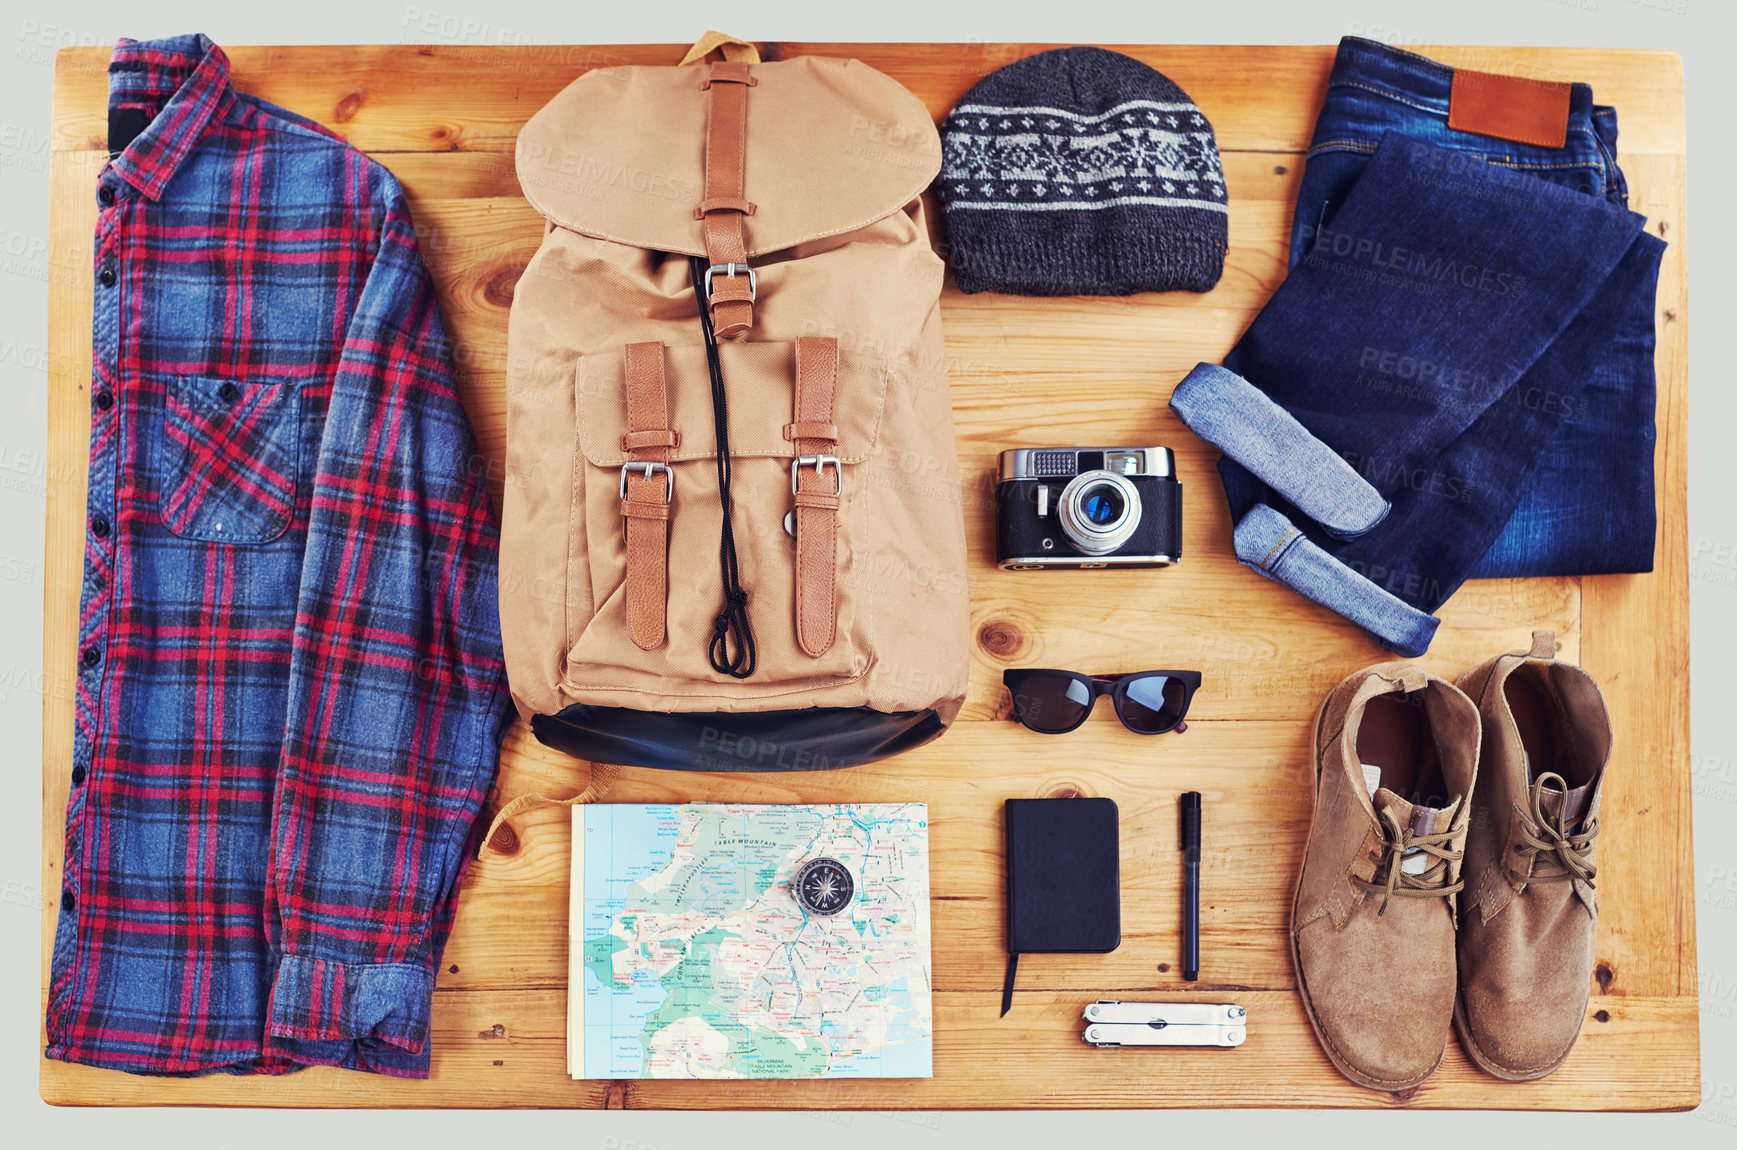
<point>1397,841</point>
<point>1544,839</point>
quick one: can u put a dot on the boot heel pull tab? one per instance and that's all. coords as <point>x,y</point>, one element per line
<point>1412,678</point>
<point>1544,645</point>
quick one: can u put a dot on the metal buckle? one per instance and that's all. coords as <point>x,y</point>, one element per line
<point>730,270</point>
<point>650,468</point>
<point>819,462</point>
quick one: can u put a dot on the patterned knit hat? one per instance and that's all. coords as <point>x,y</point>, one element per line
<point>1081,171</point>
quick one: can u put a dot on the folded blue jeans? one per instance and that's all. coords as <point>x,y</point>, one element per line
<point>1456,377</point>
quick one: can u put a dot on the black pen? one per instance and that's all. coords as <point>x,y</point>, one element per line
<point>1191,885</point>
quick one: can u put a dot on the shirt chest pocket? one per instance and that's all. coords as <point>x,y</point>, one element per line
<point>230,456</point>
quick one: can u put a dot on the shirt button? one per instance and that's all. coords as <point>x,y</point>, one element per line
<point>228,393</point>
<point>99,527</point>
<point>92,656</point>
<point>104,401</point>
<point>78,776</point>
<point>106,194</point>
<point>106,277</point>
<point>67,902</point>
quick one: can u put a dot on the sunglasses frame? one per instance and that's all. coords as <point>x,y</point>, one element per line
<point>1115,686</point>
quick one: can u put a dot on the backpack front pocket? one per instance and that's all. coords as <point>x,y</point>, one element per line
<point>759,378</point>
<point>230,455</point>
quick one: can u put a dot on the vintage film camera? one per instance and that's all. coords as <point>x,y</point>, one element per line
<point>1088,507</point>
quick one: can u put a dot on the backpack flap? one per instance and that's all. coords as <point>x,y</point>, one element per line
<point>831,146</point>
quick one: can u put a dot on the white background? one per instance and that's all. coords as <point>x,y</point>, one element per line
<point>30,31</point>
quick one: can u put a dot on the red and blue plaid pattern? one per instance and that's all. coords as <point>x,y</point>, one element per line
<point>291,696</point>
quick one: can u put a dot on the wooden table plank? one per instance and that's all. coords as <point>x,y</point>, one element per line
<point>505,1049</point>
<point>1258,98</point>
<point>1086,370</point>
<point>1635,642</point>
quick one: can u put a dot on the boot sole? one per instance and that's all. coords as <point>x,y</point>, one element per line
<point>1321,1038</point>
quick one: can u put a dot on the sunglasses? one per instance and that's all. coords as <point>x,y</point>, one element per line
<point>1056,702</point>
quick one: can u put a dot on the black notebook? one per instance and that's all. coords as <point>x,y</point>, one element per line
<point>1063,880</point>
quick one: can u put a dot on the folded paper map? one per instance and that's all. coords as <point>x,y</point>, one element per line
<point>737,941</point>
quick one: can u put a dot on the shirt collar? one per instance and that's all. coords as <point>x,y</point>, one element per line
<point>187,78</point>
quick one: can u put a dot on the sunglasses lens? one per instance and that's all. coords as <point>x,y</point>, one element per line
<point>1153,705</point>
<point>1051,703</point>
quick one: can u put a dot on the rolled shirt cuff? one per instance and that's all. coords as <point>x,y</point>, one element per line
<point>1268,543</point>
<point>1242,421</point>
<point>365,1016</point>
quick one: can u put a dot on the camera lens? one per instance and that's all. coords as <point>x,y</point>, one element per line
<point>1099,511</point>
<point>1102,505</point>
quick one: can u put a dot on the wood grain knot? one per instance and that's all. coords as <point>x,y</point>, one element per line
<point>1003,639</point>
<point>505,840</point>
<point>1066,791</point>
<point>1601,1015</point>
<point>1164,968</point>
<point>495,1031</point>
<point>1605,976</point>
<point>1279,169</point>
<point>497,287</point>
<point>1404,1096</point>
<point>349,105</point>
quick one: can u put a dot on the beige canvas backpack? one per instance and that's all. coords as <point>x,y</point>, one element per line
<point>799,599</point>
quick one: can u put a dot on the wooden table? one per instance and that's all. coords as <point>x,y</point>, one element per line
<point>1024,372</point>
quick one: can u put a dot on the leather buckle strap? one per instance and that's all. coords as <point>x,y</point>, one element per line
<point>648,469</point>
<point>729,289</point>
<point>795,431</point>
<point>723,206</point>
<point>634,440</point>
<point>816,496</point>
<point>818,462</point>
<point>647,490</point>
<point>746,207</point>
<point>730,72</point>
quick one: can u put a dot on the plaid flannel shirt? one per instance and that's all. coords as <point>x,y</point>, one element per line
<point>290,696</point>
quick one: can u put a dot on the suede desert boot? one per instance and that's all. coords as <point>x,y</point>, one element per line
<point>1530,911</point>
<point>1372,926</point>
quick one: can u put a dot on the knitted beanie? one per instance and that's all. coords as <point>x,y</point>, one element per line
<point>1081,171</point>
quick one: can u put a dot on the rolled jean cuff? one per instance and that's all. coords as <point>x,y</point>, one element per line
<point>1242,421</point>
<point>1268,543</point>
<point>383,1004</point>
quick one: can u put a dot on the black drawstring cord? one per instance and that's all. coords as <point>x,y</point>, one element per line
<point>734,616</point>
